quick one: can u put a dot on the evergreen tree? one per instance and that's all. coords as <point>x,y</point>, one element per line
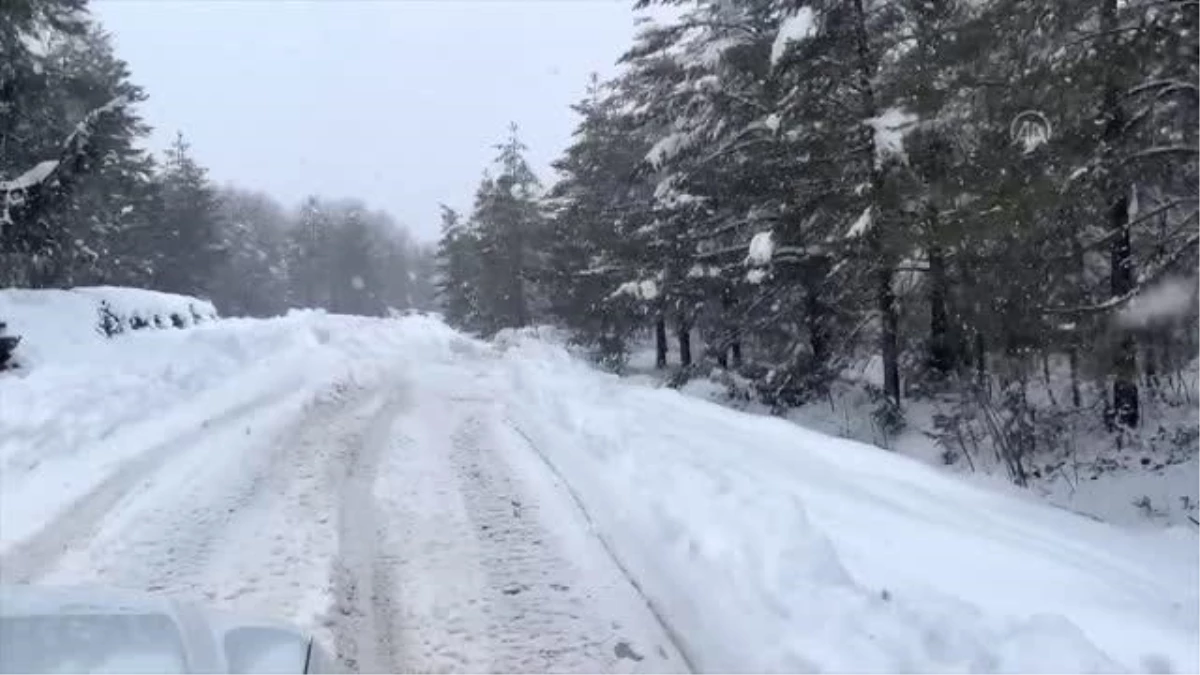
<point>188,243</point>
<point>959,193</point>
<point>100,229</point>
<point>589,209</point>
<point>507,219</point>
<point>252,280</point>
<point>68,147</point>
<point>486,265</point>
<point>458,271</point>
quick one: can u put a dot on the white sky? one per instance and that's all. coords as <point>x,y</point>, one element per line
<point>396,102</point>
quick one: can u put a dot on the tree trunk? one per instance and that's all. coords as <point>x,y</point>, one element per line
<point>660,343</point>
<point>727,334</point>
<point>735,351</point>
<point>815,311</point>
<point>941,350</point>
<point>888,335</point>
<point>685,344</point>
<point>1073,359</point>
<point>1150,361</point>
<point>1124,366</point>
<point>1077,262</point>
<point>519,312</point>
<point>981,372</point>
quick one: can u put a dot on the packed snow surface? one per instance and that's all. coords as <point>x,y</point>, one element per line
<point>426,501</point>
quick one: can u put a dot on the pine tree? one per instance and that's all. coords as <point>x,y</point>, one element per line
<point>458,271</point>
<point>68,145</point>
<point>252,280</point>
<point>104,217</point>
<point>590,211</point>
<point>962,193</point>
<point>189,247</point>
<point>487,268</point>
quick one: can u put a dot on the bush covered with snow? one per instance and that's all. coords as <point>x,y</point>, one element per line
<point>58,324</point>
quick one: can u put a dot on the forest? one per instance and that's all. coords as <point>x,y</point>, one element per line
<point>84,202</point>
<point>988,205</point>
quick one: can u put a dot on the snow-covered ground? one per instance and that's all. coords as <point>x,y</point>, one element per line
<point>1153,481</point>
<point>58,326</point>
<point>429,502</point>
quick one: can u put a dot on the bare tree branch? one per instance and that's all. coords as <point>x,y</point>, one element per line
<point>1145,280</point>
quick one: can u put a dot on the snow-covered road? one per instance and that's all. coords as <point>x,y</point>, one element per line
<point>428,502</point>
<point>392,521</point>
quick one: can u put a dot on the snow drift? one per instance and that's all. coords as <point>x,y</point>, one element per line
<point>769,547</point>
<point>65,325</point>
<point>76,418</point>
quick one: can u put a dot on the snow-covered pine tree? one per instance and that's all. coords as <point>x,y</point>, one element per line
<point>68,148</point>
<point>934,178</point>
<point>109,207</point>
<point>188,244</point>
<point>506,220</point>
<point>589,211</point>
<point>252,280</point>
<point>458,271</point>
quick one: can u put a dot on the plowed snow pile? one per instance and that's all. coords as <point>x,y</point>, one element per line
<point>771,547</point>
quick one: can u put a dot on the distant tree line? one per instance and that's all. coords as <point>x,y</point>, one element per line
<point>973,196</point>
<point>82,203</point>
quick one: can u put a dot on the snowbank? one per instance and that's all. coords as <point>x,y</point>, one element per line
<point>769,547</point>
<point>69,424</point>
<point>159,309</point>
<point>64,325</point>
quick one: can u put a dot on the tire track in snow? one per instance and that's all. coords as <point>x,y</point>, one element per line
<point>531,591</point>
<point>274,553</point>
<point>361,619</point>
<point>75,526</point>
<point>252,528</point>
<point>486,580</point>
<point>679,643</point>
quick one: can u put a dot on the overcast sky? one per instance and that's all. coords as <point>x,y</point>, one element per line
<point>396,102</point>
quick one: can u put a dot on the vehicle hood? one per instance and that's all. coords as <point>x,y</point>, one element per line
<point>60,629</point>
